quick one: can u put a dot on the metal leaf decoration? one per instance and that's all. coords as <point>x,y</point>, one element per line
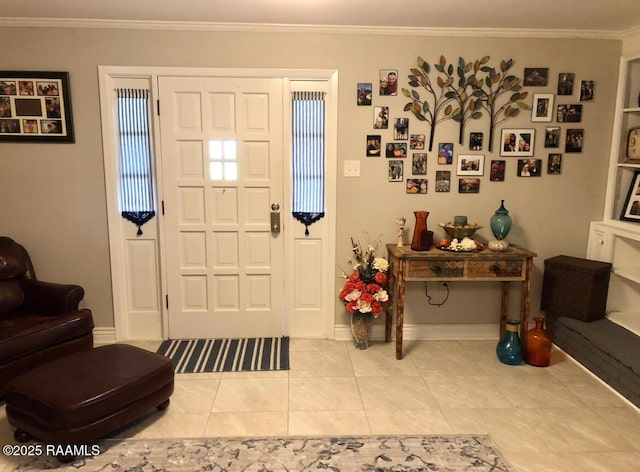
<point>492,87</point>
<point>435,106</point>
<point>464,95</point>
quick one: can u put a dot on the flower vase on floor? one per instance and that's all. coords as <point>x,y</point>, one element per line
<point>509,349</point>
<point>538,351</point>
<point>361,326</point>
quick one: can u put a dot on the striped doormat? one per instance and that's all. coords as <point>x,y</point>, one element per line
<point>227,355</point>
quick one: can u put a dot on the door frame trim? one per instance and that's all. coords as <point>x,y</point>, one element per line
<point>106,74</point>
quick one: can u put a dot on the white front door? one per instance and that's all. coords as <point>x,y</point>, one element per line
<point>221,141</point>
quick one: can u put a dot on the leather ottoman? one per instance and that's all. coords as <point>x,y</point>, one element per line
<point>89,394</point>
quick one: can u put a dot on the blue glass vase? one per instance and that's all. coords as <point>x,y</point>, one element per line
<point>501,222</point>
<point>509,348</point>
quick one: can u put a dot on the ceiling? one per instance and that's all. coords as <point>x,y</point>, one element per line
<point>606,16</point>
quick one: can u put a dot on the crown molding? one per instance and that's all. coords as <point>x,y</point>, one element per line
<point>328,29</point>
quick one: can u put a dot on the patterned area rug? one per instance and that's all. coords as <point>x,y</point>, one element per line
<point>450,453</point>
<point>227,355</point>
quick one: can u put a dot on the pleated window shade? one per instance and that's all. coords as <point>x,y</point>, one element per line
<point>136,184</point>
<point>308,110</point>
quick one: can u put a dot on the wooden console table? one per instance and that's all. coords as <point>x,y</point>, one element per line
<point>406,265</point>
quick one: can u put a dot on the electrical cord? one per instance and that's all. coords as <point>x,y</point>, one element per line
<point>426,293</point>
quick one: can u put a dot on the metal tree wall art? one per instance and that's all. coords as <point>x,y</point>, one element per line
<point>490,88</point>
<point>436,106</point>
<point>468,105</point>
<point>463,96</point>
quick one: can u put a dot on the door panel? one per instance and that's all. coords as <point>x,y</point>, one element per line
<point>222,160</point>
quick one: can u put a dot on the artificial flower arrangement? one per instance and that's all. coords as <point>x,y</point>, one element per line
<point>365,290</point>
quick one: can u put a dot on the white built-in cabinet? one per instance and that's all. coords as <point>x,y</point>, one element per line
<point>614,239</point>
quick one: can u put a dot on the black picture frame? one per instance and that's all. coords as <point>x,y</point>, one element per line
<point>631,208</point>
<point>35,107</point>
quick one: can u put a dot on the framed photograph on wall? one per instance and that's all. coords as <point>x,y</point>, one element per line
<point>374,145</point>
<point>587,90</point>
<point>365,92</point>
<point>443,181</point>
<point>419,163</point>
<point>470,164</point>
<point>416,141</point>
<point>388,82</point>
<point>542,109</point>
<point>380,117</point>
<point>35,107</point>
<point>517,142</point>
<point>554,164</point>
<point>497,170</point>
<point>631,209</point>
<point>565,83</point>
<point>469,185</point>
<point>574,141</point>
<point>552,137</point>
<point>396,171</point>
<point>529,167</point>
<point>569,113</point>
<point>536,76</point>
<point>417,186</point>
<point>475,141</point>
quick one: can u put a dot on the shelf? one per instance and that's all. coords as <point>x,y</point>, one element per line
<point>631,110</point>
<point>630,165</point>
<point>628,273</point>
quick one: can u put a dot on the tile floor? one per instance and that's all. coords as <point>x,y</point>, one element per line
<point>554,419</point>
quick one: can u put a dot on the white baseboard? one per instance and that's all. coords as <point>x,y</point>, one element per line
<point>102,336</point>
<point>428,331</point>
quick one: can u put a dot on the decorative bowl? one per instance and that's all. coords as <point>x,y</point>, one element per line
<point>460,232</point>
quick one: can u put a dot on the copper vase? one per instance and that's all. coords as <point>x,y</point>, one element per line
<point>538,352</point>
<point>421,236</point>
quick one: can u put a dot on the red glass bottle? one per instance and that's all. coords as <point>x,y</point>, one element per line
<point>538,352</point>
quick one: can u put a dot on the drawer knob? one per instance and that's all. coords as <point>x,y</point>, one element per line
<point>436,269</point>
<point>494,268</point>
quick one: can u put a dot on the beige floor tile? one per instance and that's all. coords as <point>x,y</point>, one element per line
<point>395,393</point>
<point>194,395</point>
<point>380,360</point>
<point>624,420</point>
<point>507,427</point>
<point>326,363</point>
<point>424,421</point>
<point>444,362</point>
<point>466,392</point>
<point>569,430</point>
<point>542,391</point>
<point>166,425</point>
<point>310,423</point>
<point>247,423</point>
<point>316,345</point>
<point>252,394</point>
<point>567,462</point>
<point>563,366</point>
<point>324,393</point>
<point>592,392</point>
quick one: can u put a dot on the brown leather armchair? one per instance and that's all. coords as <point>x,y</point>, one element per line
<point>39,321</point>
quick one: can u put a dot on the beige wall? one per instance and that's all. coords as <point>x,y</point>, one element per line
<point>52,196</point>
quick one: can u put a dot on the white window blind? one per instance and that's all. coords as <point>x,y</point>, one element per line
<point>308,114</point>
<point>136,186</point>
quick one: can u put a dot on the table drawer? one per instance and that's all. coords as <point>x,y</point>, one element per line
<point>436,269</point>
<point>498,269</point>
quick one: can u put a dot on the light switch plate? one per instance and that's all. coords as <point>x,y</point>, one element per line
<point>352,168</point>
